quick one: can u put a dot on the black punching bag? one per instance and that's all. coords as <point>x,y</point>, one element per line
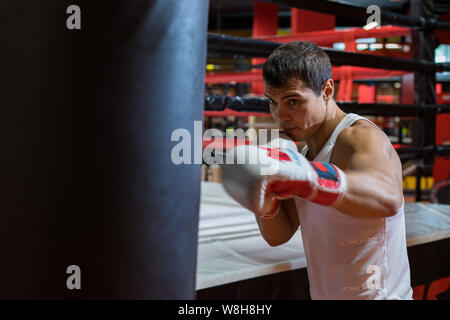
<point>91,204</point>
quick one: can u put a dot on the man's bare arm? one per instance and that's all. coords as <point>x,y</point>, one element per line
<point>281,228</point>
<point>373,173</point>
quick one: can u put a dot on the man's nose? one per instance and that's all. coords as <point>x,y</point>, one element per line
<point>283,115</point>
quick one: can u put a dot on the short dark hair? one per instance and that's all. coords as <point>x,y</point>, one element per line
<point>301,60</point>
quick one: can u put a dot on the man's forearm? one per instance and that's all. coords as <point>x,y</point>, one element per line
<point>369,195</point>
<point>276,230</point>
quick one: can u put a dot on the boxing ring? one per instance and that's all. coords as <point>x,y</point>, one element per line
<point>234,261</point>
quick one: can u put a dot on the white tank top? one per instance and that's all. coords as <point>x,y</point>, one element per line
<point>349,257</point>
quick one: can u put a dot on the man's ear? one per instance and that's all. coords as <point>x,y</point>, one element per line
<point>328,89</point>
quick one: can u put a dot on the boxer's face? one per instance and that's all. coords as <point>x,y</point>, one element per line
<point>297,109</point>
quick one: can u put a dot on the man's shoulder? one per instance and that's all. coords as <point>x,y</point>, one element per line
<point>362,135</point>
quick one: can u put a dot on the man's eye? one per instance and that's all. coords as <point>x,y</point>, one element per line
<point>293,102</point>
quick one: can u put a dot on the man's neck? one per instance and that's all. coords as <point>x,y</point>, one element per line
<point>333,118</point>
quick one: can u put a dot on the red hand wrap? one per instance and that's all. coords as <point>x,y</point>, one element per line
<point>274,211</point>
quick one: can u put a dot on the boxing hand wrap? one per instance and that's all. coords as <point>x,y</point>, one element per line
<point>274,211</point>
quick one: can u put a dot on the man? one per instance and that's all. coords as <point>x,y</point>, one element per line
<point>343,186</point>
